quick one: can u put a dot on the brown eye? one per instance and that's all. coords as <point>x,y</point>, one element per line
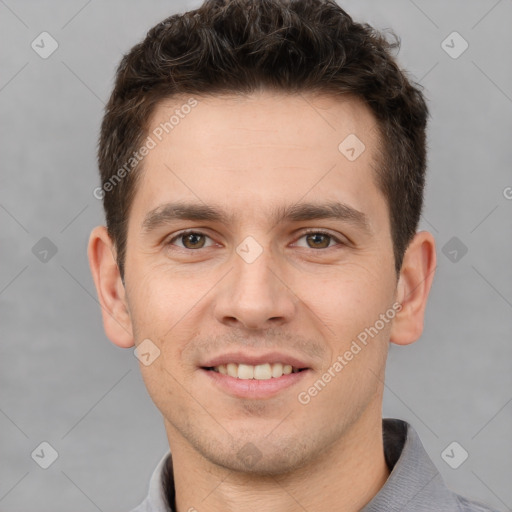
<point>319,240</point>
<point>189,240</point>
<point>194,239</point>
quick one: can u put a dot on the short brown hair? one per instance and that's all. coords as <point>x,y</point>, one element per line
<point>240,46</point>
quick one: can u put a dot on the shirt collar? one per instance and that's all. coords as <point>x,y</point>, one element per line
<point>414,483</point>
<point>161,479</point>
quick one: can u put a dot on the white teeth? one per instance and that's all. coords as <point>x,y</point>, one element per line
<point>258,372</point>
<point>245,371</point>
<point>262,372</point>
<point>277,370</point>
<point>232,370</point>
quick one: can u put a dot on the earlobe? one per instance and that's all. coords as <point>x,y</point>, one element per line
<point>110,289</point>
<point>415,281</point>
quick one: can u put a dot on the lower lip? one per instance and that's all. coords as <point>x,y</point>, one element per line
<point>253,388</point>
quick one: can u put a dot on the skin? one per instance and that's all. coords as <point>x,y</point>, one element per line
<point>305,296</point>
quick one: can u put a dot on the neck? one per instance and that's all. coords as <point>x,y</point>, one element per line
<point>343,478</point>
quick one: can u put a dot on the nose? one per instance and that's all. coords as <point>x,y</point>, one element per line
<point>255,295</point>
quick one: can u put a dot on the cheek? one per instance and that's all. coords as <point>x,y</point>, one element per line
<point>162,310</point>
<point>349,307</point>
<point>346,300</point>
<point>161,301</point>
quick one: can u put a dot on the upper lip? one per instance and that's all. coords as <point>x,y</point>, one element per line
<point>254,360</point>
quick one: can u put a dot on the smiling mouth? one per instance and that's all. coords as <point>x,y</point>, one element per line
<point>257,372</point>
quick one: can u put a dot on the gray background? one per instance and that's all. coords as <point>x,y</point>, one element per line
<point>62,381</point>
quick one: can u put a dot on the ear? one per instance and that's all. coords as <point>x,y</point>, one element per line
<point>110,288</point>
<point>416,276</point>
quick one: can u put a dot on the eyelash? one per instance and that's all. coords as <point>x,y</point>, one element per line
<point>304,233</point>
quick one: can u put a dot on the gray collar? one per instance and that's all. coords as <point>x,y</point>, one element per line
<point>415,484</point>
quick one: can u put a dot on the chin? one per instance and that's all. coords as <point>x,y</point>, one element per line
<point>261,458</point>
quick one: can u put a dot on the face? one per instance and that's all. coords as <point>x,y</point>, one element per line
<point>257,247</point>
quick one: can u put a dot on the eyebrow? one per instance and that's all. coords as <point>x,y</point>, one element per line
<point>169,212</point>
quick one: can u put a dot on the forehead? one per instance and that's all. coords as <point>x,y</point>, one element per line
<point>260,118</point>
<point>274,148</point>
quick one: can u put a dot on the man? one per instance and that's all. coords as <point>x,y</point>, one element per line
<point>262,167</point>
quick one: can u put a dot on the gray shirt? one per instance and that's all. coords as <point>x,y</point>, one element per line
<point>414,484</point>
